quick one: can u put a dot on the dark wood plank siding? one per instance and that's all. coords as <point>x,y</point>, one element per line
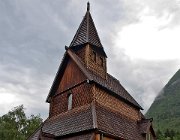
<point>72,76</point>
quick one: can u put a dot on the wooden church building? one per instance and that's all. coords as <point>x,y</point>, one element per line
<point>86,102</point>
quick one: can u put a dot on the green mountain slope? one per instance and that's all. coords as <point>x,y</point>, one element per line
<point>165,110</point>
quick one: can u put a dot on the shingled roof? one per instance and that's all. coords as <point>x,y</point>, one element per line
<point>90,117</point>
<point>86,32</point>
<point>110,83</point>
<point>117,124</point>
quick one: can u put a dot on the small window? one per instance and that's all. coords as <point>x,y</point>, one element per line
<point>70,101</point>
<point>94,56</point>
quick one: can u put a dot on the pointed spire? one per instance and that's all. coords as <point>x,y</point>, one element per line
<point>88,6</point>
<point>86,32</point>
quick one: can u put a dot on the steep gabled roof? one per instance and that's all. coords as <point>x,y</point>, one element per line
<point>86,32</point>
<point>117,124</point>
<point>110,83</point>
<point>93,116</point>
<point>115,87</point>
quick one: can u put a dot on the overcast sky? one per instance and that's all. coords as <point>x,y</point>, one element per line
<point>140,37</point>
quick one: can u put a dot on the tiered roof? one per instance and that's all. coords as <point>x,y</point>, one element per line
<point>94,116</point>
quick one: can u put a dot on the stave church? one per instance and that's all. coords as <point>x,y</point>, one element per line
<point>86,102</point>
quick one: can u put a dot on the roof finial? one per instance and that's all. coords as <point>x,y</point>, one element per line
<point>88,6</point>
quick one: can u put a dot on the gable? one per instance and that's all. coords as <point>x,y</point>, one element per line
<point>74,67</point>
<point>71,76</point>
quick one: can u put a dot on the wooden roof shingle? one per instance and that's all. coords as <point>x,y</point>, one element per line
<point>86,32</point>
<point>74,121</point>
<point>93,117</point>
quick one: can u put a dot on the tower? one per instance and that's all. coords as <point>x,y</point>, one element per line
<point>87,45</point>
<point>86,102</point>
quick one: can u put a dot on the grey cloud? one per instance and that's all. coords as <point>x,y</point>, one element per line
<point>142,78</point>
<point>166,9</point>
<point>27,87</point>
<point>32,39</point>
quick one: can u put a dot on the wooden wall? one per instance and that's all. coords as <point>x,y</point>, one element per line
<point>86,55</point>
<point>82,53</point>
<point>102,97</point>
<point>96,65</point>
<point>81,95</point>
<point>71,76</point>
